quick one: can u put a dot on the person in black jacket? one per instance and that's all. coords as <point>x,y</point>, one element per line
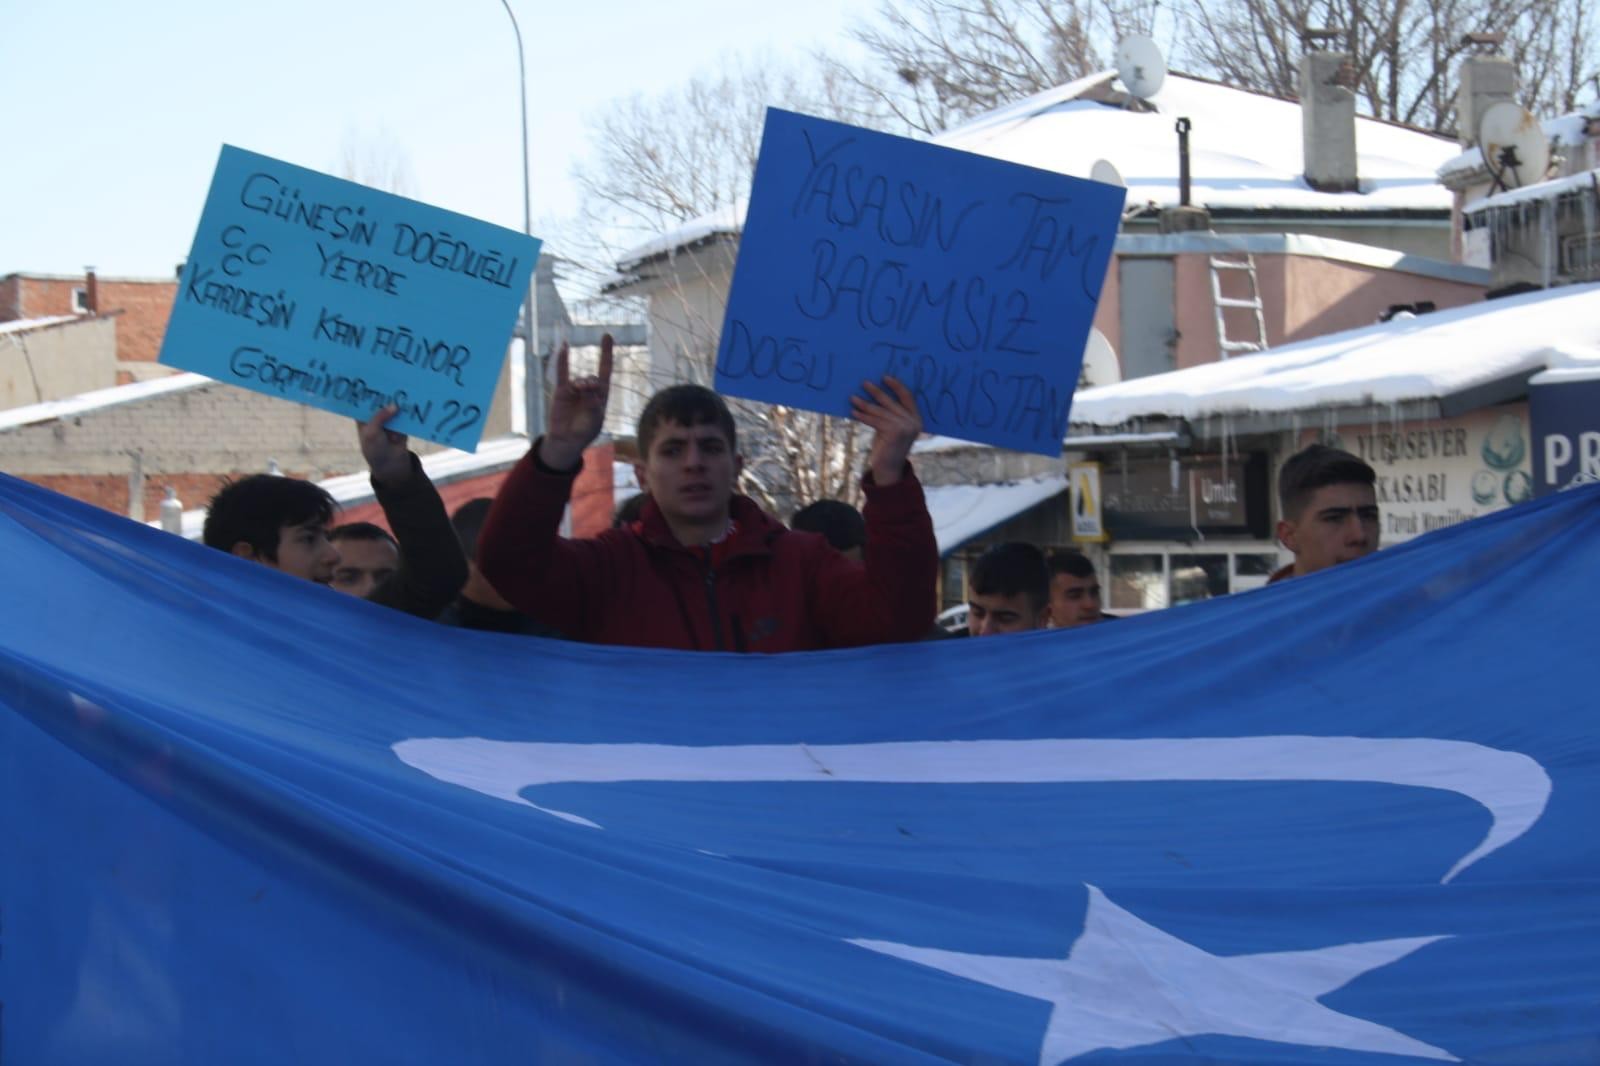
<point>479,606</point>
<point>283,523</point>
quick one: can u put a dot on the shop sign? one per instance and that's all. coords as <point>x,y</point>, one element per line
<point>1088,516</point>
<point>1436,474</point>
<point>1186,498</point>
<point>1566,434</point>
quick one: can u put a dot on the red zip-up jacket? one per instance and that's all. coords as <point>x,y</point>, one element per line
<point>763,588</point>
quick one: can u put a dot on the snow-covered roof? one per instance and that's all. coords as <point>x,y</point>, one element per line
<point>1245,153</point>
<point>1245,149</point>
<point>23,325</point>
<point>1431,357</point>
<point>726,219</point>
<point>962,512</point>
<point>100,399</point>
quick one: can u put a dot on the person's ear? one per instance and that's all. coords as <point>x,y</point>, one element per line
<point>1287,535</point>
<point>641,477</point>
<point>244,550</point>
<point>1047,616</point>
<point>738,465</point>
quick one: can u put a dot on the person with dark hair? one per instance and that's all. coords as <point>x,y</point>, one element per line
<point>1074,591</point>
<point>368,556</point>
<point>479,606</point>
<point>1008,591</point>
<point>1328,509</point>
<point>838,522</point>
<point>704,568</point>
<point>279,521</point>
<point>283,523</point>
<point>628,511</point>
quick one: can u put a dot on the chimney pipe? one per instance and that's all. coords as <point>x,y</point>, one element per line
<point>1486,80</point>
<point>91,291</point>
<point>1328,120</point>
<point>1183,127</point>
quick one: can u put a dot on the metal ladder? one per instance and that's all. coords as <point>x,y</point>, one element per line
<point>1247,266</point>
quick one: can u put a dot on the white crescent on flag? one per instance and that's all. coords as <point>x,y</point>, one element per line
<point>1513,787</point>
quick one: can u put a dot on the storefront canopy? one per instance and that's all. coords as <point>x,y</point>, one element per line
<point>962,512</point>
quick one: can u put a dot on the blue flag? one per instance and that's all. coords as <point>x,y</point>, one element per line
<point>1344,819</point>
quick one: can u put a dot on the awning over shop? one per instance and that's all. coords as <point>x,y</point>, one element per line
<point>962,512</point>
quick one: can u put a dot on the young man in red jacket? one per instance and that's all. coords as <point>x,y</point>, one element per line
<point>704,568</point>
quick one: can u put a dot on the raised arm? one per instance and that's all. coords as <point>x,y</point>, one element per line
<point>892,594</point>
<point>521,552</point>
<point>432,565</point>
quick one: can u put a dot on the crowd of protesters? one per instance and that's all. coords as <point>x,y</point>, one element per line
<point>689,563</point>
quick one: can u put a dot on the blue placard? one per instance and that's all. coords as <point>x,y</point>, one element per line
<point>1566,434</point>
<point>346,298</point>
<point>972,280</point>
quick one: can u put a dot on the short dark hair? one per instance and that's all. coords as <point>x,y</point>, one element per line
<point>361,531</point>
<point>468,520</point>
<point>1009,569</point>
<point>1315,467</point>
<point>1071,563</point>
<point>628,510</point>
<point>256,509</point>
<point>687,405</point>
<point>836,520</point>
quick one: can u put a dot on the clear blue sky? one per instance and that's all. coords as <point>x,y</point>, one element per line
<point>112,113</point>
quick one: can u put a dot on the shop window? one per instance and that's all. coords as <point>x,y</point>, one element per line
<point>1252,569</point>
<point>1138,582</point>
<point>1151,580</point>
<point>1198,577</point>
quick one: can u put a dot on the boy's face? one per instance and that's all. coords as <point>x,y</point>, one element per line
<point>992,615</point>
<point>690,472</point>
<point>303,551</point>
<point>1074,601</point>
<point>364,564</point>
<point>1339,523</point>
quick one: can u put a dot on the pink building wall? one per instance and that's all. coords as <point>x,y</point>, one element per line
<point>1302,296</point>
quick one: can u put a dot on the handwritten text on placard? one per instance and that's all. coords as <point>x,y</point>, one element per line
<point>348,299</point>
<point>972,280</point>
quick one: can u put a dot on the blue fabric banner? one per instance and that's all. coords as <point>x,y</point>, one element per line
<point>1344,819</point>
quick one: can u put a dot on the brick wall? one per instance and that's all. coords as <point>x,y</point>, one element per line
<point>592,506</point>
<point>145,306</point>
<point>191,439</point>
<point>110,491</point>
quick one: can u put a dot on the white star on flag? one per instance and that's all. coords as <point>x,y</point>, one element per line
<point>1126,984</point>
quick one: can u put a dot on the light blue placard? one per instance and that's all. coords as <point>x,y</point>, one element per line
<point>972,280</point>
<point>338,296</point>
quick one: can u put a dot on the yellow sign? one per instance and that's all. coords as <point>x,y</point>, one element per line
<point>1087,522</point>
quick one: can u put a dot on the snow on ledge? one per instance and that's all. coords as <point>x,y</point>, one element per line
<point>1428,357</point>
<point>1544,190</point>
<point>101,399</point>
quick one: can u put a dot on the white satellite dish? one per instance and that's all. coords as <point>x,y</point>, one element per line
<point>1514,146</point>
<point>1141,66</point>
<point>1100,366</point>
<point>1106,173</point>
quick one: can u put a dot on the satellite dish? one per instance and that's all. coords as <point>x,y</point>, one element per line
<point>1100,366</point>
<point>1106,173</point>
<point>1514,146</point>
<point>1141,66</point>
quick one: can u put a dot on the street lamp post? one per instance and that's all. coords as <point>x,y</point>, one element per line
<point>533,376</point>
